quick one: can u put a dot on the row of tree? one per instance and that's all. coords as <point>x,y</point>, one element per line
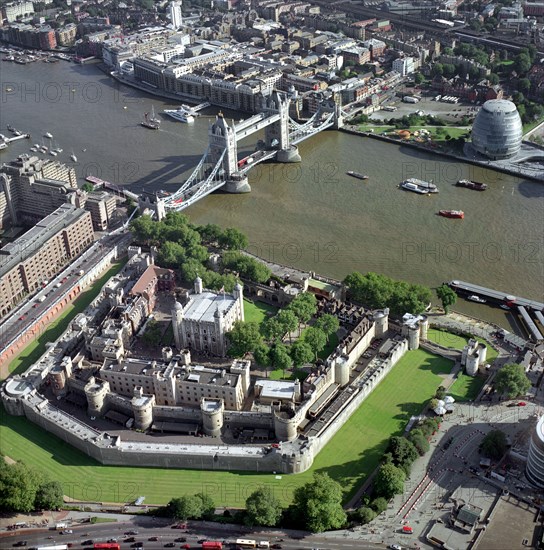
<point>23,489</point>
<point>395,468</point>
<point>317,506</point>
<point>379,291</point>
<point>185,246</point>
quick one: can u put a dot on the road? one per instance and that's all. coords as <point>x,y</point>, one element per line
<point>147,528</point>
<point>25,315</point>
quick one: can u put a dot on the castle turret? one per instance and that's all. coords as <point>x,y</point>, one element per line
<point>413,337</point>
<point>198,285</point>
<point>381,319</point>
<point>212,415</point>
<point>239,295</point>
<point>285,423</point>
<point>96,392</point>
<point>142,406</point>
<point>423,327</point>
<point>242,367</point>
<point>341,371</point>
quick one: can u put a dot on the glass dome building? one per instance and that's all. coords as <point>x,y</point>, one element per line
<point>535,461</point>
<point>497,130</point>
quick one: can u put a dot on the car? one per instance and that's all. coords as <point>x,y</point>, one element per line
<point>512,405</point>
<point>22,317</point>
<point>131,532</point>
<point>21,543</point>
<point>276,546</point>
<point>522,404</point>
<point>170,545</point>
<point>181,539</point>
<point>130,539</point>
<point>66,532</point>
<point>186,546</point>
<point>112,540</point>
<point>179,526</point>
<point>407,529</point>
<point>137,545</point>
<point>395,547</point>
<point>153,538</point>
<point>87,542</point>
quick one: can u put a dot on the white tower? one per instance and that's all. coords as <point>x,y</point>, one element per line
<point>175,14</point>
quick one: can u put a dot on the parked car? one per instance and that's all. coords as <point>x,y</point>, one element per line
<point>522,404</point>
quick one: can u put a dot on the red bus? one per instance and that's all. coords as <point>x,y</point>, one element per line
<point>212,545</point>
<point>107,546</point>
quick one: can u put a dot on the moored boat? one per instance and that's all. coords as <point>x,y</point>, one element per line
<point>180,115</point>
<point>48,135</point>
<point>469,184</point>
<point>356,175</point>
<point>459,214</point>
<point>475,298</point>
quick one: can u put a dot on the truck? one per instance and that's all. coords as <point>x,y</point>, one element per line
<point>81,272</point>
<point>410,99</point>
<point>41,299</point>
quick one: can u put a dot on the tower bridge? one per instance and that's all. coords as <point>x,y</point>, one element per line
<point>220,168</point>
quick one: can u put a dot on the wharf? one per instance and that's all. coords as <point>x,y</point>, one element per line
<point>497,295</point>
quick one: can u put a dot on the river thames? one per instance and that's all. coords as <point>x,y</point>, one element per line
<point>309,215</point>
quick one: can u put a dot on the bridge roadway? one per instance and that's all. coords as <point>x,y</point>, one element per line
<point>254,124</point>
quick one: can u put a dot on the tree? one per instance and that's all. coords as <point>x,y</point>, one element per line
<point>512,381</point>
<point>318,504</point>
<point>49,496</point>
<point>263,508</point>
<point>316,338</point>
<point>389,481</point>
<point>366,514</point>
<point>449,70</point>
<point>437,69</point>
<point>261,355</point>
<point>89,187</point>
<point>304,306</point>
<point>145,230</point>
<point>522,63</point>
<point>280,358</point>
<point>288,320</point>
<point>524,85</point>
<point>493,79</point>
<point>153,333</point>
<point>494,444</point>
<point>440,392</point>
<point>207,506</point>
<point>379,505</point>
<point>403,451</point>
<point>210,233</point>
<point>190,269</point>
<point>273,329</point>
<point>419,441</point>
<point>171,255</point>
<point>19,485</point>
<point>418,78</point>
<point>329,324</point>
<point>301,353</point>
<point>243,337</point>
<point>232,239</point>
<point>185,507</point>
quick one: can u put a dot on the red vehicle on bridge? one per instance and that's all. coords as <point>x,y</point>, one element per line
<point>212,545</point>
<point>107,546</point>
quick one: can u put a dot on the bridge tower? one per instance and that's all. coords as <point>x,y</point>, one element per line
<point>222,137</point>
<point>277,133</point>
<point>338,116</point>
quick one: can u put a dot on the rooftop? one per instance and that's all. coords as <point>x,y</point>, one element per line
<point>276,389</point>
<point>203,307</point>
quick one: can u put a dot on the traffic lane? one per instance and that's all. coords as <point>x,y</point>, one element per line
<point>103,532</point>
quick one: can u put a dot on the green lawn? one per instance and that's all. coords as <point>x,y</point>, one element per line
<point>455,341</point>
<point>453,131</point>
<point>352,454</point>
<point>37,348</point>
<point>466,388</point>
<point>257,312</point>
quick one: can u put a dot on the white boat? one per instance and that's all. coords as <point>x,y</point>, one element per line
<point>181,115</point>
<point>419,186</point>
<point>59,150</point>
<point>73,157</point>
<point>3,145</point>
<point>44,149</point>
<point>33,149</point>
<point>478,299</point>
<point>48,135</point>
<point>53,153</point>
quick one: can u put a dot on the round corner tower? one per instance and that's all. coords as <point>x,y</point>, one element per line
<point>212,416</point>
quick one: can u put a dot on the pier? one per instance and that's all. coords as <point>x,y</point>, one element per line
<point>529,310</point>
